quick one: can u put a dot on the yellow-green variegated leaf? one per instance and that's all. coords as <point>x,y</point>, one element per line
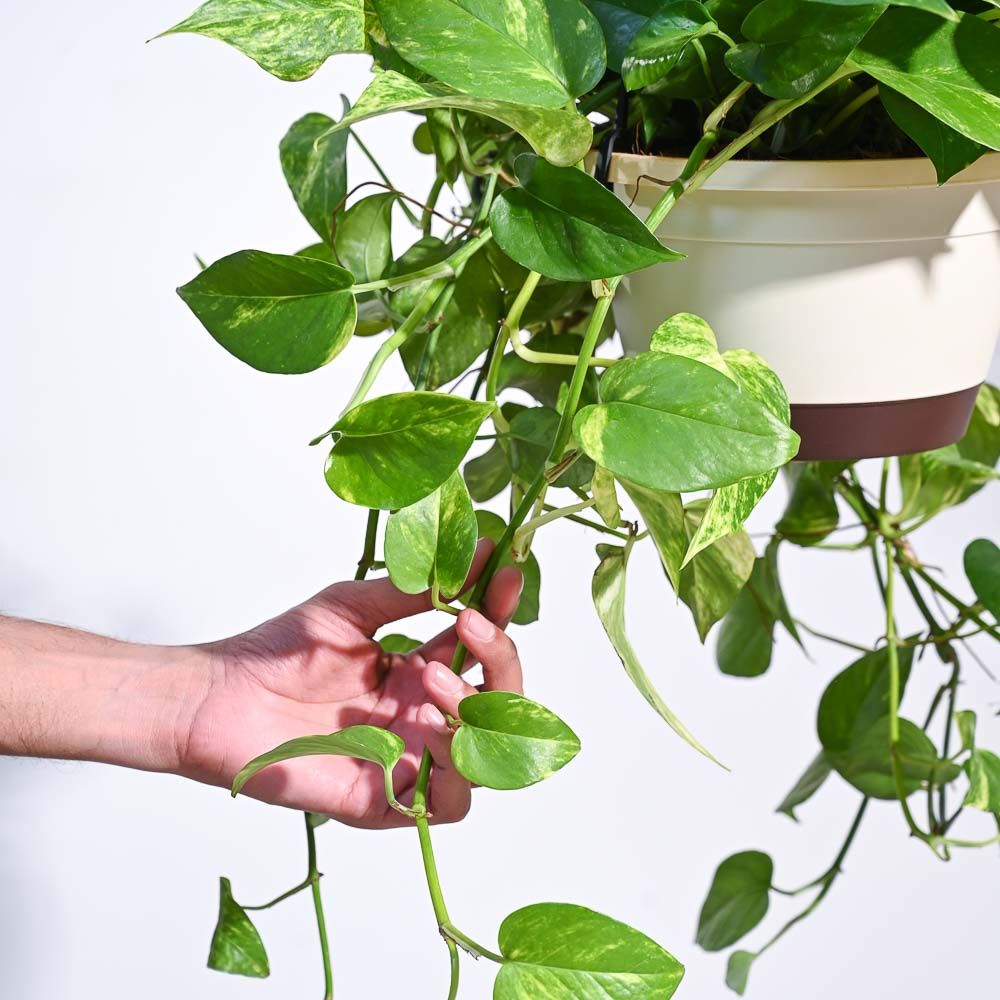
<point>608,590</point>
<point>983,771</point>
<point>279,314</point>
<point>663,515</point>
<point>538,52</point>
<point>236,944</point>
<point>691,337</point>
<point>392,451</point>
<point>602,487</point>
<point>289,38</point>
<point>430,544</point>
<point>562,136</point>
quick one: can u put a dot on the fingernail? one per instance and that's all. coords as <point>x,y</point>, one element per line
<point>479,627</point>
<point>436,720</point>
<point>444,679</point>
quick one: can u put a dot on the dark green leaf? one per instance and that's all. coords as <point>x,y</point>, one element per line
<point>363,236</point>
<point>807,786</point>
<point>608,589</point>
<point>982,567</point>
<point>397,643</point>
<point>738,970</point>
<point>492,526</point>
<point>983,771</point>
<point>314,161</point>
<point>737,900</point>
<point>792,46</point>
<point>564,952</point>
<point>661,42</point>
<point>430,544</point>
<point>533,52</point>
<point>487,474</point>
<point>507,742</point>
<point>236,945</point>
<point>289,38</point>
<point>561,136</point>
<point>948,150</point>
<point>621,21</point>
<point>565,224</point>
<point>392,451</point>
<point>279,314</point>
<point>811,514</point>
<point>950,68</point>
<point>719,433</point>
<point>939,7</point>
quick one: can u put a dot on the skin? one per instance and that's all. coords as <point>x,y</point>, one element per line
<point>205,711</point>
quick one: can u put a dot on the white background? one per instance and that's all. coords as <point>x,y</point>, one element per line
<point>153,488</point>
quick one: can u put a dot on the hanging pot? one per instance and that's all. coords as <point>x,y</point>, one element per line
<point>874,293</point>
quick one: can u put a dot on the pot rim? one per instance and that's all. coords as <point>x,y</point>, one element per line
<point>805,175</point>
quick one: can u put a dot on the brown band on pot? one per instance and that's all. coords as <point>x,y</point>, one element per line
<point>850,431</point>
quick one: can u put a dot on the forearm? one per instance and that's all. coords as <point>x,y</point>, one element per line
<point>77,696</point>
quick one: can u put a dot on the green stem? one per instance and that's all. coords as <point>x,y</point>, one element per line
<point>598,97</point>
<point>368,555</point>
<point>428,214</point>
<point>303,885</point>
<point>848,111</point>
<point>554,514</point>
<point>832,638</point>
<point>966,610</point>
<point>474,948</point>
<point>523,351</point>
<point>324,943</point>
<point>385,179</point>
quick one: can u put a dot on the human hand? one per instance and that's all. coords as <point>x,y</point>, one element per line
<point>316,669</point>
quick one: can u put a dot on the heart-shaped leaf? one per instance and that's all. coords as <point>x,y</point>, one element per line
<point>289,38</point>
<point>506,741</point>
<point>566,225</point>
<point>430,544</point>
<point>718,433</point>
<point>314,161</point>
<point>363,235</point>
<point>371,743</point>
<point>561,136</point>
<point>982,567</point>
<point>792,46</point>
<point>608,590</point>
<point>950,68</point>
<point>286,315</point>
<point>392,451</point>
<point>983,770</point>
<point>737,900</point>
<point>236,944</point>
<point>535,52</point>
<point>564,952</point>
<point>663,515</point>
<point>660,43</point>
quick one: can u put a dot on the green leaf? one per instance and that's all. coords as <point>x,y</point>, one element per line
<point>608,589</point>
<point>565,224</point>
<point>711,582</point>
<point>488,474</point>
<point>738,970</point>
<point>660,43</point>
<point>314,162</point>
<point>392,451</point>
<point>370,743</point>
<point>932,481</point>
<point>286,315</point>
<point>981,442</point>
<point>718,432</point>
<point>602,486</point>
<point>950,68</point>
<point>792,46</point>
<point>939,7</point>
<point>663,515</point>
<point>966,722</point>
<point>397,643</point>
<point>507,742</point>
<point>737,900</point>
<point>562,137</point>
<point>493,526</point>
<point>430,544</point>
<point>948,150</point>
<point>536,52</point>
<point>691,337</point>
<point>811,513</point>
<point>289,38</point>
<point>621,21</point>
<point>362,236</point>
<point>983,771</point>
<point>982,567</point>
<point>236,945</point>
<point>564,952</point>
<point>807,786</point>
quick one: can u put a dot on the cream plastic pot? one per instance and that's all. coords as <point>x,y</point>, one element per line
<point>874,293</point>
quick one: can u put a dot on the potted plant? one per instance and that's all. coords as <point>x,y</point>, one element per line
<point>673,447</point>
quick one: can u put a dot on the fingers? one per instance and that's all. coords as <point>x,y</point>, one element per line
<point>370,604</point>
<point>499,604</point>
<point>494,649</point>
<point>445,689</point>
<point>450,793</point>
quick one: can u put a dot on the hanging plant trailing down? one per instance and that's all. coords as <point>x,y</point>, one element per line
<point>517,288</point>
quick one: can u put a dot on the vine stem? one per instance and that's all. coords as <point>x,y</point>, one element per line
<point>324,943</point>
